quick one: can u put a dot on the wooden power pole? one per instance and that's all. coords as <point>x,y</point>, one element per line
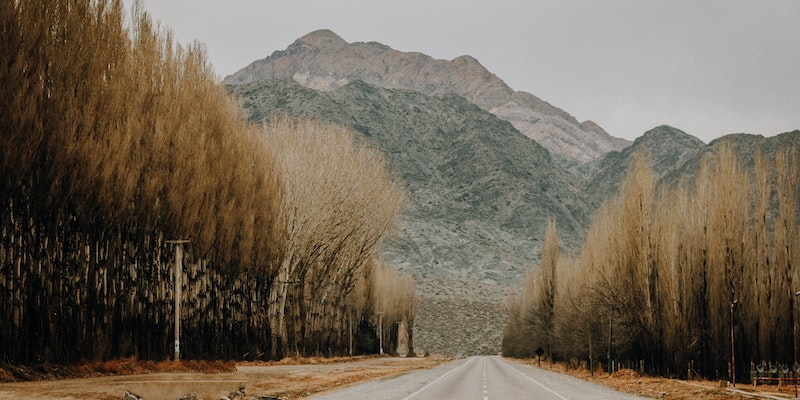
<point>380,330</point>
<point>178,276</point>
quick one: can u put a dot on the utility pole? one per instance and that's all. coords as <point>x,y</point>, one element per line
<point>350,326</point>
<point>591,359</point>
<point>610,336</point>
<point>380,330</point>
<point>794,340</point>
<point>733,347</point>
<point>178,281</point>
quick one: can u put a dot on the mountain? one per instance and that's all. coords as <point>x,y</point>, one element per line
<point>676,156</point>
<point>668,148</point>
<point>480,193</point>
<point>480,188</point>
<point>322,60</point>
<point>744,146</point>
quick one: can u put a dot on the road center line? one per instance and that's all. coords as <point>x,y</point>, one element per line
<point>439,378</point>
<point>534,381</point>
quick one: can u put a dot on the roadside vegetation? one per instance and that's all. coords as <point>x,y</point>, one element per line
<point>674,280</point>
<point>114,140</point>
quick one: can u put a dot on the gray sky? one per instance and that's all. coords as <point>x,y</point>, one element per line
<point>707,67</point>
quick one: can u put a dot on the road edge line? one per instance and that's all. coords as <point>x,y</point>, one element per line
<point>438,379</point>
<point>534,380</point>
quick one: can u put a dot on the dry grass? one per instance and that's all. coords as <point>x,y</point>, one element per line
<point>123,366</point>
<point>307,361</point>
<point>630,381</point>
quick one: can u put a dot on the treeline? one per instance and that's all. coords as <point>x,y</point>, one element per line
<point>339,203</point>
<point>677,277</point>
<point>114,140</point>
<point>385,303</point>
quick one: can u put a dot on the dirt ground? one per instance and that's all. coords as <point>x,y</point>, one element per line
<point>300,378</point>
<point>287,379</point>
<point>630,381</point>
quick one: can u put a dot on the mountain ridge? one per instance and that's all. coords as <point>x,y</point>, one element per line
<point>322,60</point>
<point>480,190</point>
<point>668,149</point>
<point>480,193</point>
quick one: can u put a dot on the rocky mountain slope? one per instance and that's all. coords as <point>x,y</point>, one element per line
<point>668,148</point>
<point>479,194</point>
<point>324,61</point>
<point>675,156</point>
<point>745,146</point>
<point>461,165</point>
<point>479,189</point>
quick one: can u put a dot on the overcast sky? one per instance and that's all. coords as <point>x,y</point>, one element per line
<point>707,67</point>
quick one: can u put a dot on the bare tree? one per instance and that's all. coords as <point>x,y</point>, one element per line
<point>340,203</point>
<point>546,288</point>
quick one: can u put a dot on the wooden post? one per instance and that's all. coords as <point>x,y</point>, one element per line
<point>591,359</point>
<point>380,329</point>
<point>610,335</point>
<point>350,326</point>
<point>178,281</point>
<point>733,347</point>
<point>794,341</point>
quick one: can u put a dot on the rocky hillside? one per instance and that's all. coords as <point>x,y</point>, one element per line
<point>480,190</point>
<point>479,194</point>
<point>324,61</point>
<point>462,166</point>
<point>668,148</point>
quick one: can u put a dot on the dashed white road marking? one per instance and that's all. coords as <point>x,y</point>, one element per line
<point>438,379</point>
<point>484,381</point>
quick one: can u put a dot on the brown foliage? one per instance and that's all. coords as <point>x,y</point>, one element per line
<point>125,131</point>
<point>664,270</point>
<point>395,296</point>
<point>114,139</point>
<point>340,202</point>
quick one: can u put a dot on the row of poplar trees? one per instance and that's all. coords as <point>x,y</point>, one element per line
<point>677,279</point>
<point>115,140</point>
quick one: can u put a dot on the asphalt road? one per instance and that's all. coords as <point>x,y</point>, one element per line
<point>480,378</point>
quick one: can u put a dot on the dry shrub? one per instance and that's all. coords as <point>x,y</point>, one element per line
<point>625,373</point>
<point>208,366</point>
<point>6,376</point>
<point>110,367</point>
<point>168,366</point>
<point>132,366</point>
